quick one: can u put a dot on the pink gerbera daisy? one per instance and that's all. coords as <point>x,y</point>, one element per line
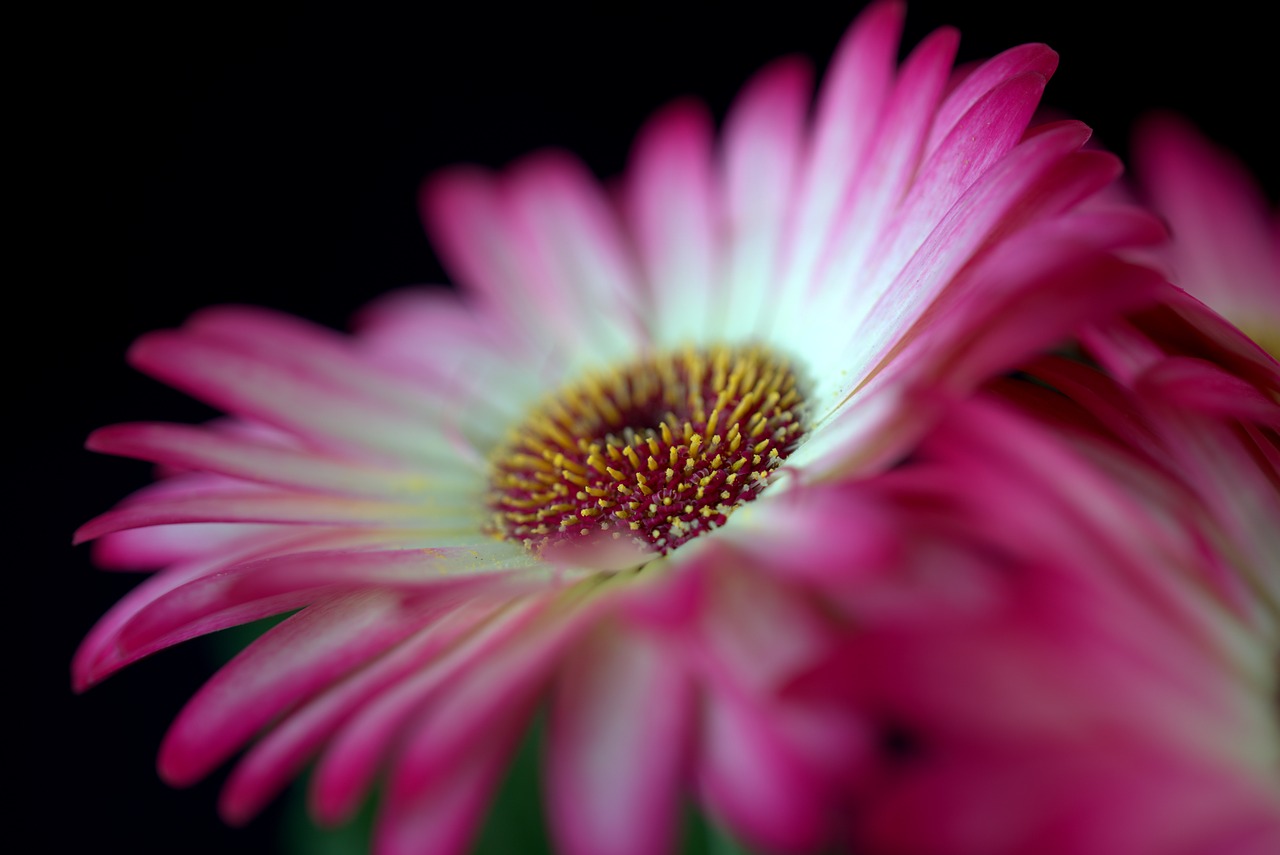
<point>1116,691</point>
<point>573,482</point>
<point>1116,694</point>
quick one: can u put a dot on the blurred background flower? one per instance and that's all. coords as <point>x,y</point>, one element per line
<point>274,158</point>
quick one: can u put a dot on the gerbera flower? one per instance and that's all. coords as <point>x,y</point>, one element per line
<point>574,482</point>
<point>1116,690</point>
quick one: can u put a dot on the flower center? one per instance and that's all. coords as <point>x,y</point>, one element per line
<point>655,452</point>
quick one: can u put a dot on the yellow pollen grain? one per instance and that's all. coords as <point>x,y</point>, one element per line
<point>741,410</point>
<point>711,424</point>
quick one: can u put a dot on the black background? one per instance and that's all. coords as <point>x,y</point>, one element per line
<point>207,154</point>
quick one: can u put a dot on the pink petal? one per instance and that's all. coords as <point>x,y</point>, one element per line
<point>615,754</point>
<point>296,345</point>
<point>672,207</point>
<point>567,241</point>
<point>476,701</point>
<point>461,209</point>
<point>894,157</point>
<point>1206,388</point>
<point>409,563</point>
<point>443,818</point>
<point>1014,62</point>
<point>543,250</point>
<point>100,654</point>
<point>159,546</point>
<point>984,135</point>
<point>188,447</point>
<point>255,586</point>
<point>281,753</point>
<point>267,506</point>
<point>756,783</point>
<point>293,394</point>
<point>1035,178</point>
<point>848,114</point>
<point>760,632</point>
<point>290,662</point>
<point>1224,251</point>
<point>436,335</point>
<point>762,150</point>
<point>351,762</point>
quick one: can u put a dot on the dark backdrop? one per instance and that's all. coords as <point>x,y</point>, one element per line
<point>206,155</point>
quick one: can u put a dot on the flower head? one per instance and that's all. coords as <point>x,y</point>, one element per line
<point>577,481</point>
<point>1114,689</point>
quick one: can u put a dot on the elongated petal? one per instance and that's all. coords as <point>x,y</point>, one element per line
<point>1014,62</point>
<point>849,108</point>
<point>566,238</point>
<point>1224,247</point>
<point>309,650</point>
<point>100,654</point>
<point>762,154</point>
<point>273,506</point>
<point>619,705</point>
<point>443,819</point>
<point>297,397</point>
<point>676,219</point>
<point>268,765</point>
<point>480,698</point>
<point>347,769</point>
<point>190,447</point>
<point>758,784</point>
